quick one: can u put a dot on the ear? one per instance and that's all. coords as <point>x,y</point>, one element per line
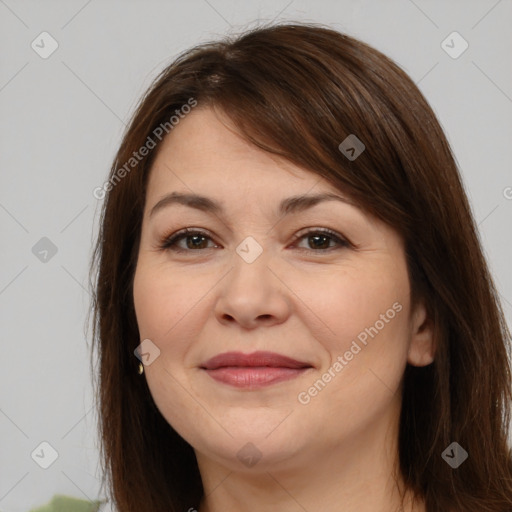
<point>421,346</point>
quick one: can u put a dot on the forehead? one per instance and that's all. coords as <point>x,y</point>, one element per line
<point>205,156</point>
<point>205,151</point>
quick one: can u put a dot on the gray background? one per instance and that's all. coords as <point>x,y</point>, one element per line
<point>61,122</point>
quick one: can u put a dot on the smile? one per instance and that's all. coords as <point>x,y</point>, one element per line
<point>254,370</point>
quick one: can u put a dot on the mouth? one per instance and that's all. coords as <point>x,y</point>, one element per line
<point>253,370</point>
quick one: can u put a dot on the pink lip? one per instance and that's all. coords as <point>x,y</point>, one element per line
<point>253,370</point>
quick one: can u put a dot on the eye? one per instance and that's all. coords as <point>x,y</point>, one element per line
<point>198,240</point>
<point>321,237</point>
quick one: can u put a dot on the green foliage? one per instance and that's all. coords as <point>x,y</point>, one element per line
<point>60,503</point>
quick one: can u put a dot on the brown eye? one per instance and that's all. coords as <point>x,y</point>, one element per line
<point>321,238</point>
<point>194,240</point>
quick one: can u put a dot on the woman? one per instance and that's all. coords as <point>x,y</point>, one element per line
<point>292,308</point>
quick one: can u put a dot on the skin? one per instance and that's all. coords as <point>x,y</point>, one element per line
<point>304,300</point>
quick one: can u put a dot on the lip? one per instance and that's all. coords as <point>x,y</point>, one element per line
<point>269,359</point>
<point>253,370</point>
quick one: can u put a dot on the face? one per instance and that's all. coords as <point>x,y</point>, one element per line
<point>249,277</point>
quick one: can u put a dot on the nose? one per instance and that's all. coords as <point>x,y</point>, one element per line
<point>252,295</point>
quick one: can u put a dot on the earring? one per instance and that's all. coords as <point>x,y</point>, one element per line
<point>141,369</point>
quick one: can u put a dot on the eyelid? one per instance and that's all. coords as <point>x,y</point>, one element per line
<point>182,233</point>
<point>341,240</point>
<point>168,242</point>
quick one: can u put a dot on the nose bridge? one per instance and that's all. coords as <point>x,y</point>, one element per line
<point>251,267</point>
<point>250,250</point>
<point>251,290</point>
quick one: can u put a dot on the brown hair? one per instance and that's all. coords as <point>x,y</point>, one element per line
<point>298,90</point>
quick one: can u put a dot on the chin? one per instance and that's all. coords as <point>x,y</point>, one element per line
<point>246,456</point>
<point>250,449</point>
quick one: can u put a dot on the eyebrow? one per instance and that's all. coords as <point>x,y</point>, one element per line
<point>289,205</point>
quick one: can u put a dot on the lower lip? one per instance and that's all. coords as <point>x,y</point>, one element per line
<point>254,377</point>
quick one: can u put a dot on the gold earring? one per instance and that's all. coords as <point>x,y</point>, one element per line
<point>141,369</point>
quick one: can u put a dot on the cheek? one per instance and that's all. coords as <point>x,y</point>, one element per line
<point>163,305</point>
<point>359,305</point>
<point>366,358</point>
<point>367,319</point>
<point>169,307</point>
<point>150,303</point>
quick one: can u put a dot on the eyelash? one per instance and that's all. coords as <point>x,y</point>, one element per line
<point>169,242</point>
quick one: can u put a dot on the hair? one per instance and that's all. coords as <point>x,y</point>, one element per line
<point>298,90</point>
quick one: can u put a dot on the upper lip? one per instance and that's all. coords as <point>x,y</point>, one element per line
<point>270,359</point>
